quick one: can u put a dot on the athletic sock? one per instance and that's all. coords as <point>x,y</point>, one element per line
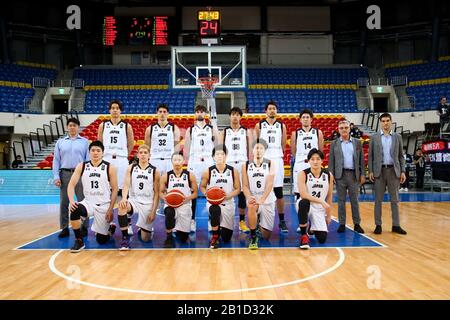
<point>77,233</point>
<point>215,232</point>
<point>242,217</point>
<point>281,216</point>
<point>253,233</point>
<point>124,233</point>
<point>303,230</point>
<point>169,235</point>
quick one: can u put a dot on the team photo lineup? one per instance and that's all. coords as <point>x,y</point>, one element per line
<point>250,152</point>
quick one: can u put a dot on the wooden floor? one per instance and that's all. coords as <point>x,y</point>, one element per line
<point>416,266</point>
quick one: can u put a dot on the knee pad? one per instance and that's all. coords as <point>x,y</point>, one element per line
<point>242,203</point>
<point>102,238</point>
<point>214,215</point>
<point>303,210</point>
<point>278,192</point>
<point>321,236</point>
<point>169,212</point>
<point>123,221</point>
<point>78,213</point>
<point>182,236</point>
<point>226,234</point>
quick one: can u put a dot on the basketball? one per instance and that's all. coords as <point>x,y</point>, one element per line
<point>175,198</point>
<point>215,195</point>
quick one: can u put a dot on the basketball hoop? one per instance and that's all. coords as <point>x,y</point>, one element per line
<point>207,85</point>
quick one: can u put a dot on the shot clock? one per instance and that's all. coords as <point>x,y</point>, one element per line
<point>208,24</point>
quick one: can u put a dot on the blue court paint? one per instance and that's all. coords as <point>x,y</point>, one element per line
<point>200,239</point>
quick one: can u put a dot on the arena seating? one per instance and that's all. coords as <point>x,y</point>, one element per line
<point>423,71</point>
<point>327,123</point>
<point>11,98</point>
<point>21,73</point>
<point>427,96</point>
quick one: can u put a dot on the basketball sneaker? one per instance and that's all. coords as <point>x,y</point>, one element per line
<point>214,244</point>
<point>253,243</point>
<point>125,244</point>
<point>243,227</point>
<point>77,246</point>
<point>283,227</point>
<point>304,242</point>
<point>193,227</point>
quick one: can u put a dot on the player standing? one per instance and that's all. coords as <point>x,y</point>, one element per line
<point>274,133</point>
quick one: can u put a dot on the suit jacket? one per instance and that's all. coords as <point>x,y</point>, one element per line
<point>336,158</point>
<point>376,154</point>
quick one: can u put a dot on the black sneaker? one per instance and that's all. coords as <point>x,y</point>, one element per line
<point>169,242</point>
<point>358,228</point>
<point>341,228</point>
<point>112,229</point>
<point>283,227</point>
<point>84,231</point>
<point>77,246</point>
<point>378,230</point>
<point>399,230</point>
<point>64,233</point>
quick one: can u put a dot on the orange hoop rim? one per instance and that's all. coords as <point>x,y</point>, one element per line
<point>208,81</point>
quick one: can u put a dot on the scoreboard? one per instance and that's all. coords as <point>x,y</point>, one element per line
<point>154,31</point>
<point>208,24</point>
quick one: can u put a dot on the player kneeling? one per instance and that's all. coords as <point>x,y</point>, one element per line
<point>258,177</point>
<point>141,183</point>
<point>178,218</point>
<point>221,214</point>
<point>99,180</point>
<point>316,191</point>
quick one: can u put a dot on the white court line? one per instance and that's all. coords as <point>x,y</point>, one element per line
<point>51,264</point>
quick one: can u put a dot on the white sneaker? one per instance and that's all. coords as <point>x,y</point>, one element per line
<point>130,230</point>
<point>193,227</point>
<point>406,189</point>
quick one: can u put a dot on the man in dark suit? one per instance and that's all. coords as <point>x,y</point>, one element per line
<point>346,163</point>
<point>387,168</point>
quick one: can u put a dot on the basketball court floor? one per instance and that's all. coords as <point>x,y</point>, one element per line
<point>35,263</point>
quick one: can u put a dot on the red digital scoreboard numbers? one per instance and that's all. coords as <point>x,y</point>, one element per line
<point>109,31</point>
<point>208,24</point>
<point>160,31</point>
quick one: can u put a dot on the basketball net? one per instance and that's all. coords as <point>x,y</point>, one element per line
<point>208,86</point>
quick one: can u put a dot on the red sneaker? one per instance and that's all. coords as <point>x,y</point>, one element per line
<point>214,244</point>
<point>304,242</point>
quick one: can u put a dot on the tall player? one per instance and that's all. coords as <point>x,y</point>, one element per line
<point>225,177</point>
<point>316,193</point>
<point>142,185</point>
<point>235,138</point>
<point>303,140</point>
<point>178,218</point>
<point>200,141</point>
<point>118,138</point>
<point>274,133</point>
<point>99,180</point>
<point>258,177</point>
<point>163,139</point>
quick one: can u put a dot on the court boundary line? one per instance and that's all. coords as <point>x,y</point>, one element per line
<point>51,264</point>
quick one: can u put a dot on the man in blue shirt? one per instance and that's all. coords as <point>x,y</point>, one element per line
<point>70,150</point>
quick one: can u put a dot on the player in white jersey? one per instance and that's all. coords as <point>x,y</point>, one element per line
<point>178,218</point>
<point>142,186</point>
<point>236,139</point>
<point>274,133</point>
<point>316,192</point>
<point>225,177</point>
<point>258,177</point>
<point>304,140</point>
<point>118,138</point>
<point>163,138</point>
<point>99,180</point>
<point>200,141</point>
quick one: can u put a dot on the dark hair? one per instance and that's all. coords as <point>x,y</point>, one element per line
<point>18,156</point>
<point>385,115</point>
<point>307,111</point>
<point>260,141</point>
<point>163,106</point>
<point>115,102</point>
<point>201,108</point>
<point>219,147</point>
<point>236,110</point>
<point>271,102</point>
<point>73,120</point>
<point>315,151</point>
<point>97,143</point>
<point>442,97</point>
